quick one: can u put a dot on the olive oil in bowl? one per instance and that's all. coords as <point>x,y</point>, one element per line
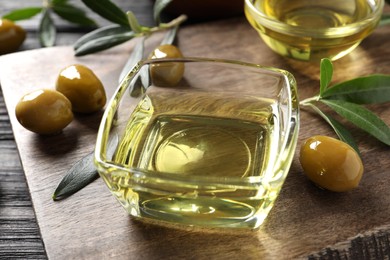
<point>208,157</point>
<point>208,135</point>
<point>312,30</point>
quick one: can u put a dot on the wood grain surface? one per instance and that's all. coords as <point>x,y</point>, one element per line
<point>305,219</point>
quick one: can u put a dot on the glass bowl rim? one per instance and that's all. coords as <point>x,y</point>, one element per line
<point>289,142</point>
<point>337,31</point>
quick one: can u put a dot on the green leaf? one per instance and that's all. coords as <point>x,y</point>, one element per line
<point>135,57</point>
<point>133,22</point>
<point>54,2</point>
<point>326,74</point>
<point>170,36</point>
<point>385,20</point>
<point>73,14</point>
<point>363,90</point>
<point>362,118</point>
<point>103,43</point>
<point>107,10</point>
<point>144,72</point>
<point>342,133</point>
<point>339,129</point>
<point>137,87</point>
<point>101,32</point>
<point>158,7</point>
<point>22,14</point>
<point>47,30</point>
<point>81,174</point>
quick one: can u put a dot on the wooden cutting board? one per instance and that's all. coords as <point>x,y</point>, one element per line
<point>92,225</point>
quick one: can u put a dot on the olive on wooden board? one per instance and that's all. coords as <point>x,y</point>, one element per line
<point>11,36</point>
<point>44,111</point>
<point>166,74</point>
<point>82,87</point>
<point>331,163</point>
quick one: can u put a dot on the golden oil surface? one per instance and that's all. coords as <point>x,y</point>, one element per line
<point>329,32</point>
<point>198,134</point>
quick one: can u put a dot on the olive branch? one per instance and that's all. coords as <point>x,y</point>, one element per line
<point>124,28</point>
<point>347,99</point>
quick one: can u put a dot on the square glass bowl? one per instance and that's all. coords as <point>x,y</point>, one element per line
<point>199,142</point>
<point>311,30</point>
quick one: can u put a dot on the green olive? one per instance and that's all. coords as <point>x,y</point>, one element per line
<point>331,163</point>
<point>82,87</point>
<point>170,73</point>
<point>11,36</point>
<point>44,111</point>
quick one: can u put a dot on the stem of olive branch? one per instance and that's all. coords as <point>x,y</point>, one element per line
<point>308,101</point>
<point>182,18</point>
<point>165,26</point>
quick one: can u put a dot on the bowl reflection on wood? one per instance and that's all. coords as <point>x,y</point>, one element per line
<point>211,151</point>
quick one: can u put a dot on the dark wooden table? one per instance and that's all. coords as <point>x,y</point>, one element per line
<point>19,232</point>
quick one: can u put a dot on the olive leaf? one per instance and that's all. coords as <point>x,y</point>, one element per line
<point>47,30</point>
<point>140,83</point>
<point>54,2</point>
<point>136,55</point>
<point>372,89</point>
<point>110,30</point>
<point>170,36</point>
<point>107,10</point>
<point>81,173</point>
<point>385,20</point>
<point>362,118</point>
<point>23,13</point>
<point>158,7</point>
<point>343,134</point>
<point>96,40</point>
<point>72,14</point>
<point>345,99</point>
<point>133,22</point>
<point>103,43</point>
<point>326,69</point>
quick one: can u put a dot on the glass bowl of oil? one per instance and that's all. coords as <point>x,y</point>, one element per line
<point>311,30</point>
<point>199,142</point>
